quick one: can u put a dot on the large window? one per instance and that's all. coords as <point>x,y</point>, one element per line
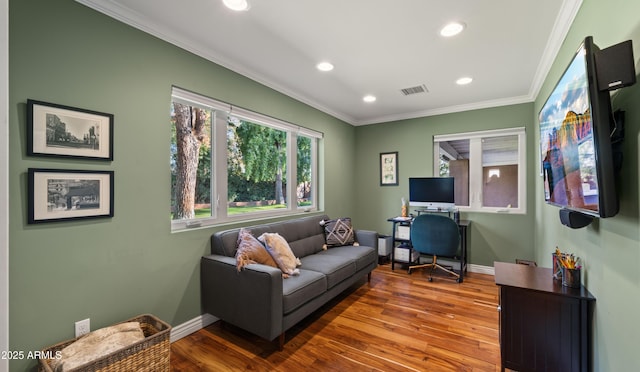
<point>488,167</point>
<point>228,163</point>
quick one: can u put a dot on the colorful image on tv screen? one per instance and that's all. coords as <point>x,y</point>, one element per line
<point>566,141</point>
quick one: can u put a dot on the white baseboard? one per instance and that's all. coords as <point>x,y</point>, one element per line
<point>481,269</point>
<point>201,321</point>
<point>191,326</point>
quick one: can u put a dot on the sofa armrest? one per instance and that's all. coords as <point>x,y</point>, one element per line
<point>367,238</point>
<point>250,299</point>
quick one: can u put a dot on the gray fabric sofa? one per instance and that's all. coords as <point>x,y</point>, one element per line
<point>257,299</point>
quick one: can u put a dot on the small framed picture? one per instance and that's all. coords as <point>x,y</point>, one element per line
<point>60,194</point>
<point>57,130</point>
<point>389,168</point>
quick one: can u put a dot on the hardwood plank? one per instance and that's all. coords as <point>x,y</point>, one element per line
<point>397,322</point>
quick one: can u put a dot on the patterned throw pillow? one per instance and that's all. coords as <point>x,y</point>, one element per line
<point>338,232</point>
<point>282,254</point>
<point>250,250</point>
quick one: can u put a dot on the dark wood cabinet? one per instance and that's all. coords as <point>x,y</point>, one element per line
<point>543,325</point>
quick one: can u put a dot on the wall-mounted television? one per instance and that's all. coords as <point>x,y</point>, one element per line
<point>576,124</point>
<point>435,193</point>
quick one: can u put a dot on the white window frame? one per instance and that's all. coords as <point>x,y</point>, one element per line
<point>219,183</point>
<point>475,167</point>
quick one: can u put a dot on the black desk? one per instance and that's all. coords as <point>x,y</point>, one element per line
<point>462,225</point>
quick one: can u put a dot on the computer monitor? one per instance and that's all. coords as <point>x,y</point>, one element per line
<point>435,193</point>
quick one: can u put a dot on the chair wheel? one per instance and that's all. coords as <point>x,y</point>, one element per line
<point>458,280</point>
<point>430,279</point>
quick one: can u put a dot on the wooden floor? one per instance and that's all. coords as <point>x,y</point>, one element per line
<point>397,322</point>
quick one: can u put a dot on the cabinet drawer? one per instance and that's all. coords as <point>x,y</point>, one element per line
<point>403,232</point>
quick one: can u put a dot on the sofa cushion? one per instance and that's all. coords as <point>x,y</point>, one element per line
<point>297,232</point>
<point>306,246</point>
<point>338,232</point>
<point>279,249</point>
<point>250,250</point>
<point>299,289</point>
<point>362,256</point>
<point>337,268</point>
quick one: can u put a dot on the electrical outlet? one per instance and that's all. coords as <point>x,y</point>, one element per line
<point>83,327</point>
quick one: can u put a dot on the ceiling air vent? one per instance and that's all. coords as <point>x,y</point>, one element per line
<point>414,90</point>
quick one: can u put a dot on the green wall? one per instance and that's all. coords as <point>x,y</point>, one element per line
<point>609,247</point>
<point>113,269</point>
<point>493,236</point>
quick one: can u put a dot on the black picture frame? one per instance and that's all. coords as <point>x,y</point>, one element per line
<point>389,168</point>
<point>64,195</point>
<point>71,132</point>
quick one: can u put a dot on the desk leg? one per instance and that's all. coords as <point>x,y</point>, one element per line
<point>463,259</point>
<point>393,246</point>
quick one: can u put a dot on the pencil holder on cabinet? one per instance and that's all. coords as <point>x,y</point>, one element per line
<point>571,277</point>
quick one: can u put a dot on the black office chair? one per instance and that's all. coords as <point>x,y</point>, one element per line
<point>435,235</point>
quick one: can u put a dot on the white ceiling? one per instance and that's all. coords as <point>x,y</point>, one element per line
<point>378,47</point>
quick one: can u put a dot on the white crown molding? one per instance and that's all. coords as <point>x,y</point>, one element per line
<point>139,21</point>
<point>448,110</point>
<point>567,14</point>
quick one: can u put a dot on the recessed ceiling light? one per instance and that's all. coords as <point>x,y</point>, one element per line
<point>324,66</point>
<point>464,80</point>
<point>452,29</point>
<point>369,98</point>
<point>237,5</point>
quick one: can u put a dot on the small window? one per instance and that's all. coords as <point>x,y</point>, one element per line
<point>488,168</point>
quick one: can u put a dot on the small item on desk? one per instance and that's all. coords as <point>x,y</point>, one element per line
<point>571,277</point>
<point>567,266</point>
<point>404,209</point>
<point>557,264</point>
<point>568,260</point>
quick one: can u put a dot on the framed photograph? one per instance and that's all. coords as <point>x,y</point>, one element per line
<point>389,168</point>
<point>56,130</point>
<point>61,194</point>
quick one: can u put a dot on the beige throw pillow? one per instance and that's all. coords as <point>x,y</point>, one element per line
<point>250,250</point>
<point>282,254</point>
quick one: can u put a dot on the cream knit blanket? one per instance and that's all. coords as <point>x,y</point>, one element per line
<point>97,344</point>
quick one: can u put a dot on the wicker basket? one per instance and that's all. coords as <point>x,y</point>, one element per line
<point>150,354</point>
